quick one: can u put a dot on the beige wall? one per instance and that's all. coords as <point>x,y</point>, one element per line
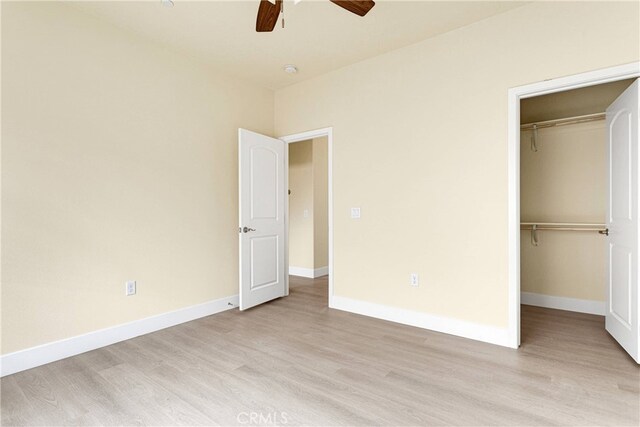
<point>119,162</point>
<point>300,200</point>
<point>308,182</point>
<point>320,203</point>
<point>420,144</point>
<point>564,181</point>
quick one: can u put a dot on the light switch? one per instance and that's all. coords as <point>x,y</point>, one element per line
<point>305,213</point>
<point>355,213</point>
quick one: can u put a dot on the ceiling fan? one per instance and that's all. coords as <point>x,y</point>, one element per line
<point>268,12</point>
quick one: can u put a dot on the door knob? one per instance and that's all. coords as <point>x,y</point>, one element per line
<point>247,229</point>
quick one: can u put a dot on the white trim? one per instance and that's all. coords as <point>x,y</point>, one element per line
<point>50,352</point>
<point>563,303</point>
<point>286,216</point>
<point>320,271</point>
<point>591,78</point>
<point>447,325</point>
<point>311,273</point>
<point>328,132</point>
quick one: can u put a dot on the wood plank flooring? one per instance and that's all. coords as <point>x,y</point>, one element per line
<point>293,361</point>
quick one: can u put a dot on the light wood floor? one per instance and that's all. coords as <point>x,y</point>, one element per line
<point>293,361</point>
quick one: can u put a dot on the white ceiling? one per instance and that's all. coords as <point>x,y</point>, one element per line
<point>319,36</point>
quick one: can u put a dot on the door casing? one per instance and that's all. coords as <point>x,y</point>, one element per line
<point>515,94</point>
<point>297,137</point>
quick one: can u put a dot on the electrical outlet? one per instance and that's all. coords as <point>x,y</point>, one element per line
<point>355,213</point>
<point>413,279</point>
<point>130,288</point>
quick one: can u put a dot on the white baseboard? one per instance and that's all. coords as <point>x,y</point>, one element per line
<point>308,272</point>
<point>47,353</point>
<point>461,328</point>
<point>563,303</point>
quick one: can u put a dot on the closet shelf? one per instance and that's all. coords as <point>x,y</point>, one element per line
<point>565,121</point>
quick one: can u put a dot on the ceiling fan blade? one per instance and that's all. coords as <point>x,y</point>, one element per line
<point>359,7</point>
<point>267,15</point>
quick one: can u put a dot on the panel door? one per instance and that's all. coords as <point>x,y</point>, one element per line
<point>622,220</point>
<point>262,218</point>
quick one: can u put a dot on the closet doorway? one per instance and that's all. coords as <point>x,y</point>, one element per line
<point>571,174</point>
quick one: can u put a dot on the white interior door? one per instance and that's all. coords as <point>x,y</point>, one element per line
<point>262,168</point>
<point>622,212</point>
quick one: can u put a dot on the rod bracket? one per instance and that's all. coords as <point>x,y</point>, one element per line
<point>534,138</point>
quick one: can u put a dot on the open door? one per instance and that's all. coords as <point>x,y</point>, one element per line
<point>622,220</point>
<point>262,173</point>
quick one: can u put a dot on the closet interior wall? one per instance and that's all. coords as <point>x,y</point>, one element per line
<point>564,181</point>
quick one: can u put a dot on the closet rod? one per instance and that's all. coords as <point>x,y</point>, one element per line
<point>566,121</point>
<point>562,226</point>
<point>566,228</point>
<point>534,227</point>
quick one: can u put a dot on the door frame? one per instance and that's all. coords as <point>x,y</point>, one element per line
<point>304,136</point>
<point>591,78</point>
